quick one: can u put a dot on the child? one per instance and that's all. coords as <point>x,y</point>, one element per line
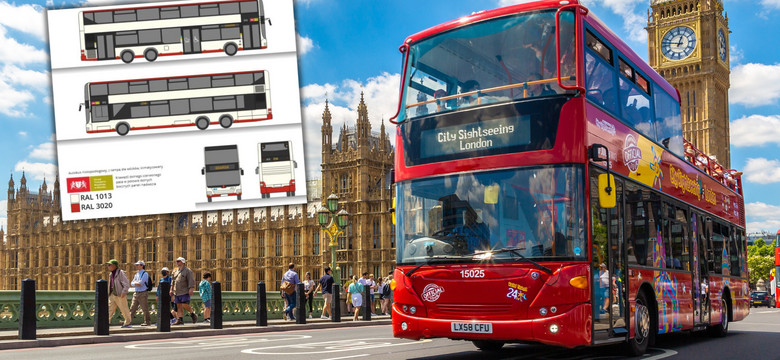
<point>205,295</point>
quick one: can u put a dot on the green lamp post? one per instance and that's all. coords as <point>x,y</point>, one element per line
<point>333,223</point>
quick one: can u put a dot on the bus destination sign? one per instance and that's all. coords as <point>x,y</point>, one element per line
<point>483,135</point>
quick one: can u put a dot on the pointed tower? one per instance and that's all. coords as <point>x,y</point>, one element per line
<point>56,192</point>
<point>363,125</point>
<point>327,133</point>
<point>382,137</point>
<point>11,190</point>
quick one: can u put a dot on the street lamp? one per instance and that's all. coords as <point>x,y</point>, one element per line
<point>333,223</point>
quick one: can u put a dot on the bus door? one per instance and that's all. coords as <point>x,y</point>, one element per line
<point>191,38</point>
<point>106,47</point>
<point>251,35</point>
<point>701,280</point>
<point>608,267</point>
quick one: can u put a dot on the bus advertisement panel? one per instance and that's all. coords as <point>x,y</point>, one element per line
<point>545,193</point>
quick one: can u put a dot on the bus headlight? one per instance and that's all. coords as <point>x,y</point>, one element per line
<point>404,326</point>
<point>413,310</point>
<point>543,311</point>
<point>405,308</point>
<point>554,329</point>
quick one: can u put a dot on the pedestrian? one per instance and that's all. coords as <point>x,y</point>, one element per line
<point>141,294</point>
<point>380,290</point>
<point>205,294</point>
<point>387,298</point>
<point>326,286</point>
<point>118,287</point>
<point>290,277</point>
<point>352,279</point>
<point>308,289</point>
<point>182,288</point>
<point>166,278</point>
<point>368,281</point>
<point>355,292</point>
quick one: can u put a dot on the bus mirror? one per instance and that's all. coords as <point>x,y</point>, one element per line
<point>80,105</point>
<point>295,164</point>
<point>491,194</point>
<point>392,210</point>
<point>242,172</point>
<point>203,171</point>
<point>607,198</point>
<point>257,170</point>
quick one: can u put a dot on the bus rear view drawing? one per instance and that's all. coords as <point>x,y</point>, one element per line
<point>223,174</point>
<point>276,168</point>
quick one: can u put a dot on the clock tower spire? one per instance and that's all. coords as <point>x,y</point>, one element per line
<point>689,46</point>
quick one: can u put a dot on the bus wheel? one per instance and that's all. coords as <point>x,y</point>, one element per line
<point>721,329</point>
<point>231,49</point>
<point>291,193</point>
<point>225,121</point>
<point>265,196</point>
<point>150,54</point>
<point>122,129</point>
<point>202,123</point>
<point>208,198</point>
<point>127,56</point>
<point>488,345</point>
<point>643,326</point>
<point>238,197</point>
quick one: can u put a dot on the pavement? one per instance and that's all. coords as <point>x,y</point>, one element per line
<point>52,337</point>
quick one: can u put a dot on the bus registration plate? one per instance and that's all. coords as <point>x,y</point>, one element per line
<point>475,328</point>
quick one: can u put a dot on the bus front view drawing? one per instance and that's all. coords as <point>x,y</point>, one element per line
<point>153,31</point>
<point>223,175</point>
<point>199,100</point>
<point>276,168</point>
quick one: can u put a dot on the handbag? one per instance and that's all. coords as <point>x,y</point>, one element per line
<point>288,287</point>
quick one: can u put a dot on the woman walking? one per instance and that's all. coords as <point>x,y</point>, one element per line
<point>355,292</point>
<point>308,289</point>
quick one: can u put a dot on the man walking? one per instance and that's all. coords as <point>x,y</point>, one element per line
<point>291,277</point>
<point>182,288</point>
<point>141,294</point>
<point>326,286</point>
<point>118,287</point>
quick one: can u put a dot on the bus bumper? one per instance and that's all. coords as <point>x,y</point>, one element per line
<point>573,328</point>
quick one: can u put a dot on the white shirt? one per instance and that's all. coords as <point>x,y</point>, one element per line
<point>367,282</point>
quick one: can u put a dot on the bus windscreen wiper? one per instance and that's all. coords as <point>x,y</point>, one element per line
<point>435,257</point>
<point>513,250</point>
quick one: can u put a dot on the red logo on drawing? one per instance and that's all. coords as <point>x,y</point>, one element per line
<point>76,185</point>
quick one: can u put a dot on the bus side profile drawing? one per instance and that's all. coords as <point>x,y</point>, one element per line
<point>276,168</point>
<point>152,31</point>
<point>223,174</point>
<point>199,100</point>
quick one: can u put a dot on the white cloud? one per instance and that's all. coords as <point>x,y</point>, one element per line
<point>13,102</point>
<point>304,44</point>
<point>30,78</point>
<point>771,3</point>
<point>45,151</point>
<point>755,130</point>
<point>22,133</point>
<point>37,170</point>
<point>755,84</point>
<point>766,217</point>
<point>13,52</point>
<point>735,55</point>
<point>16,86</point>
<point>762,171</point>
<point>27,18</point>
<point>380,94</point>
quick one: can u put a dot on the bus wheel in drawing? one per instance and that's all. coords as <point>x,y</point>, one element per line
<point>231,49</point>
<point>150,54</point>
<point>291,193</point>
<point>208,198</point>
<point>202,122</point>
<point>127,56</point>
<point>238,197</point>
<point>122,129</point>
<point>266,196</point>
<point>225,121</point>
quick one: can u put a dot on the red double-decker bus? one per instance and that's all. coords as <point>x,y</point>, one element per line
<point>777,269</point>
<point>545,192</point>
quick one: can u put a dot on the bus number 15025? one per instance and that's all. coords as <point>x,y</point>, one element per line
<point>472,273</point>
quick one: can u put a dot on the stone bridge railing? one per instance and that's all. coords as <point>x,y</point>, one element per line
<point>76,308</point>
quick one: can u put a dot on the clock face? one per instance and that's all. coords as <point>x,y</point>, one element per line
<point>678,43</point>
<point>722,50</point>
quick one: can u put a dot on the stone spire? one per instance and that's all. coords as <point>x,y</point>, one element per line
<point>11,189</point>
<point>56,191</point>
<point>363,124</point>
<point>327,132</point>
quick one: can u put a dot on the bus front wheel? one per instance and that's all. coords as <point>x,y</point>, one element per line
<point>231,49</point>
<point>127,56</point>
<point>202,122</point>
<point>150,55</point>
<point>488,345</point>
<point>225,121</point>
<point>122,129</point>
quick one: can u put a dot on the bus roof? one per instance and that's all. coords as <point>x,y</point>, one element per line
<point>121,7</point>
<point>175,77</point>
<point>542,5</point>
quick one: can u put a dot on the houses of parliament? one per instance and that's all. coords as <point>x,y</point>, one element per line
<point>239,247</point>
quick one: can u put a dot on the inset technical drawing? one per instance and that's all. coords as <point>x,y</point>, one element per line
<point>276,168</point>
<point>223,175</point>
<point>199,100</point>
<point>154,31</point>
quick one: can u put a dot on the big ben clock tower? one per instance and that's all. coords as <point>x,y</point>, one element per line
<point>688,45</point>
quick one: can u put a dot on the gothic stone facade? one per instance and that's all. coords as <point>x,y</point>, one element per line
<point>240,247</point>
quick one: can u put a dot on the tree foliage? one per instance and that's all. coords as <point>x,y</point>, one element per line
<point>761,259</point>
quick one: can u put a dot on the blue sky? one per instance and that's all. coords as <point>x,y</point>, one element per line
<point>347,47</point>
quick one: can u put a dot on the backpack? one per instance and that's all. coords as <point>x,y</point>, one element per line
<point>149,281</point>
<point>386,290</point>
<point>288,287</point>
